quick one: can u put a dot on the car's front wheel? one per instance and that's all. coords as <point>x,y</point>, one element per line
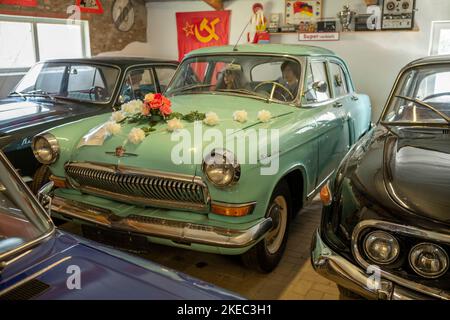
<point>266,254</point>
<point>41,177</point>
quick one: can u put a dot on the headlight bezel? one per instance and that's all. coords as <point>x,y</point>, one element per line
<point>53,147</point>
<point>421,273</point>
<point>396,245</point>
<point>230,160</point>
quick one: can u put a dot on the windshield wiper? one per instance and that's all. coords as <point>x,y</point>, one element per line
<point>241,90</point>
<point>15,93</point>
<point>191,87</point>
<point>426,105</point>
<point>39,93</point>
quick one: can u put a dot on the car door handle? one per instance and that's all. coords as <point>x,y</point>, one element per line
<point>338,105</point>
<point>355,98</point>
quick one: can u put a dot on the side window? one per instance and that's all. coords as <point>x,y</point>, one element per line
<point>164,75</point>
<point>91,83</point>
<point>339,80</point>
<point>317,89</point>
<point>137,84</point>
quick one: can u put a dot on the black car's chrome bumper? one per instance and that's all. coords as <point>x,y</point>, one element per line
<point>163,228</point>
<point>338,269</point>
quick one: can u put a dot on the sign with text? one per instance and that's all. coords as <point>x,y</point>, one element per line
<point>320,36</point>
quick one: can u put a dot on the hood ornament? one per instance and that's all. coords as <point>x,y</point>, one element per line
<point>121,152</point>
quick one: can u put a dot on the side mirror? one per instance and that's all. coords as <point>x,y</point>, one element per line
<point>44,197</point>
<point>320,86</point>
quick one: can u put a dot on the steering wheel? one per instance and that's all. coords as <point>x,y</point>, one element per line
<point>274,86</point>
<point>436,95</point>
<point>99,93</point>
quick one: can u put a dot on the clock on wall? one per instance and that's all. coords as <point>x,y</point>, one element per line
<point>123,14</point>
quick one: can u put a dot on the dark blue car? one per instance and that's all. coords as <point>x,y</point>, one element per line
<point>61,91</point>
<point>38,261</point>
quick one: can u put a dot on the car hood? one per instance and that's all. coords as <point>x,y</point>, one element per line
<point>417,172</point>
<point>16,113</point>
<point>160,150</point>
<point>104,273</point>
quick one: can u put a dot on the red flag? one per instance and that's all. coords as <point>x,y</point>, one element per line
<point>202,29</point>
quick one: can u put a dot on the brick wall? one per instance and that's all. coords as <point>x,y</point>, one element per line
<point>103,34</point>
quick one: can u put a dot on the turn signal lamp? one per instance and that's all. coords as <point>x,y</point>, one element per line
<point>325,195</point>
<point>232,210</point>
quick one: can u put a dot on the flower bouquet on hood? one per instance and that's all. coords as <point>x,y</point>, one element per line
<point>154,109</point>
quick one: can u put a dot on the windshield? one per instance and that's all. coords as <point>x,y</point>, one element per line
<point>21,218</point>
<point>422,97</point>
<point>83,82</point>
<point>264,77</point>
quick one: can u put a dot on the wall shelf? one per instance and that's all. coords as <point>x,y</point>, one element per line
<point>415,29</point>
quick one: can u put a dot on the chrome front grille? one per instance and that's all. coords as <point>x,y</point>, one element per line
<point>141,187</point>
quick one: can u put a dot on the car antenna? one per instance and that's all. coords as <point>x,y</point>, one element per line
<point>239,39</point>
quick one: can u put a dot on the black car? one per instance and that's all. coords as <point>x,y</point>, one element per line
<point>61,91</point>
<point>385,231</point>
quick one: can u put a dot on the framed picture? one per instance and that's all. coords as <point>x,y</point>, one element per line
<point>302,11</point>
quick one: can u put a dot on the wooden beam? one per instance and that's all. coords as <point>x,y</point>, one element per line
<point>216,4</point>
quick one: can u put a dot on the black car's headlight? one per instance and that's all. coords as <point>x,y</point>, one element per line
<point>381,247</point>
<point>221,168</point>
<point>46,148</point>
<point>428,260</point>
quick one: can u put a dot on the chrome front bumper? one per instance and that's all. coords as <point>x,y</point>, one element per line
<point>338,269</point>
<point>183,232</point>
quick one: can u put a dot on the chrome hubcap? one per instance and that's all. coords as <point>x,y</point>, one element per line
<point>278,213</point>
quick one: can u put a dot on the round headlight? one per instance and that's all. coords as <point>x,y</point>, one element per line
<point>221,168</point>
<point>46,148</point>
<point>381,247</point>
<point>428,260</point>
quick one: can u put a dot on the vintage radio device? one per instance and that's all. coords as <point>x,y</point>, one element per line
<point>398,14</point>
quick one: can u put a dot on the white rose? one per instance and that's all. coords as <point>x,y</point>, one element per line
<point>240,116</point>
<point>117,116</point>
<point>113,128</point>
<point>211,119</point>
<point>132,107</point>
<point>136,136</point>
<point>264,116</point>
<point>174,124</point>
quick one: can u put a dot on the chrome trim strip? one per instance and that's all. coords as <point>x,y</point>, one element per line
<point>319,186</point>
<point>406,230</point>
<point>234,205</point>
<point>184,232</point>
<point>338,269</point>
<point>34,275</point>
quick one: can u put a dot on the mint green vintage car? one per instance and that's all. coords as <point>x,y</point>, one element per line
<point>162,170</point>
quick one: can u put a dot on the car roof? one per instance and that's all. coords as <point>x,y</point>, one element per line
<point>290,49</point>
<point>430,59</point>
<point>118,61</point>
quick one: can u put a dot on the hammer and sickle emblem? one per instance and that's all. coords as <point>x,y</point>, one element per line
<point>211,29</point>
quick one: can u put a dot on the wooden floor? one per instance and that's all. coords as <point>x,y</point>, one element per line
<point>294,278</point>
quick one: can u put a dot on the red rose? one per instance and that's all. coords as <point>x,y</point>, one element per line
<point>165,109</point>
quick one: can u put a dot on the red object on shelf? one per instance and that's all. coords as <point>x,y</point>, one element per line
<point>262,37</point>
